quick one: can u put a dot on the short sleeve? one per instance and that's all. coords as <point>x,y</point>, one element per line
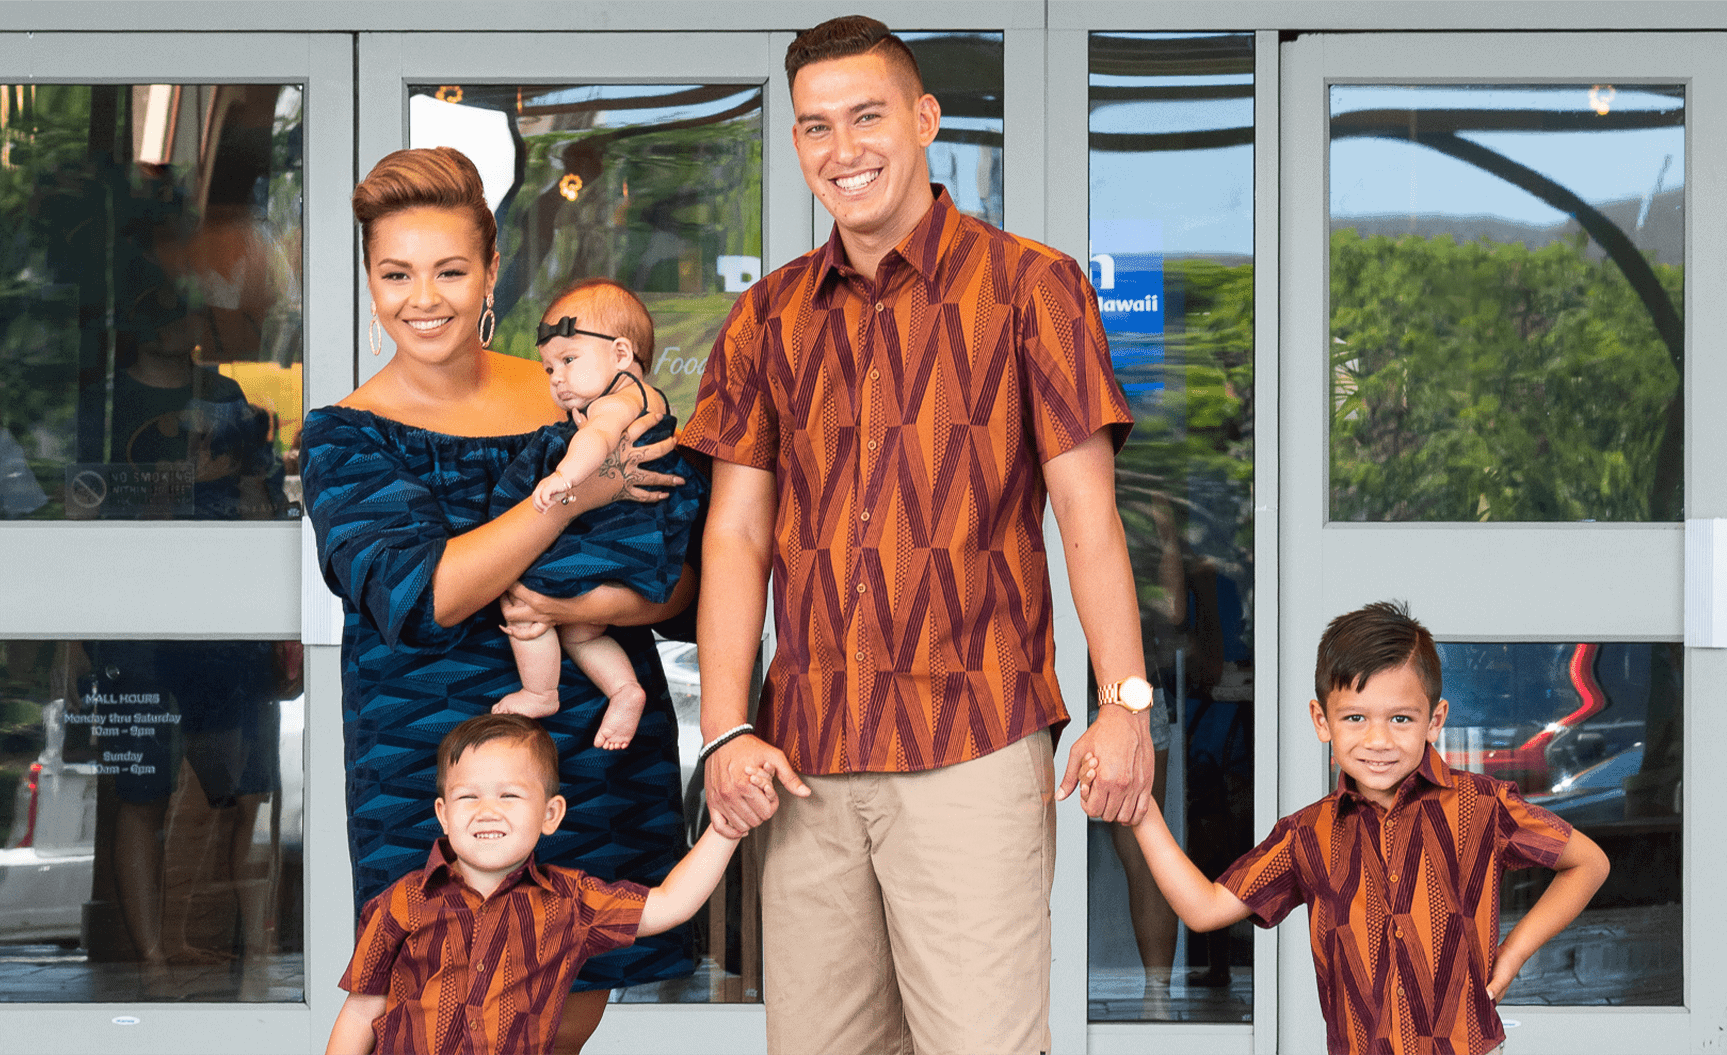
<point>1528,836</point>
<point>380,531</point>
<point>1070,382</point>
<point>1266,878</point>
<point>735,419</point>
<point>381,937</point>
<point>610,913</point>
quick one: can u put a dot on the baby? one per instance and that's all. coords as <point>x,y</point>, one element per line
<point>596,340</point>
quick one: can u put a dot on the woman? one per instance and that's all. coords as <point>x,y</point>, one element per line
<point>397,478</point>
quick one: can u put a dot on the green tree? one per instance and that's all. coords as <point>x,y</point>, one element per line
<point>1487,381</point>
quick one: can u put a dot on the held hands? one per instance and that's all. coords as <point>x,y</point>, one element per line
<point>1117,754</point>
<point>740,785</point>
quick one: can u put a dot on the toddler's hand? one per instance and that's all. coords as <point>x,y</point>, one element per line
<point>761,778</point>
<point>1087,773</point>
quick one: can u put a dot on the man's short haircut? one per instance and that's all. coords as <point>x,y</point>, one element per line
<point>1382,636</point>
<point>515,728</point>
<point>609,307</point>
<point>848,35</point>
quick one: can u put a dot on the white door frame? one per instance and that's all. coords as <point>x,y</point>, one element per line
<point>1501,582</point>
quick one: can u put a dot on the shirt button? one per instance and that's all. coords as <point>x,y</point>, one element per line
<point>872,445</point>
<point>879,306</point>
<point>1400,990</point>
<point>860,657</point>
<point>864,515</point>
<point>1394,879</point>
<point>860,587</point>
<point>1400,932</point>
<point>874,375</point>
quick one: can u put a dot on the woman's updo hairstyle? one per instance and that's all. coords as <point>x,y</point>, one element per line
<point>435,177</point>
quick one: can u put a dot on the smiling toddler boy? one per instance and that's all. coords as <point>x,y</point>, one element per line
<point>1400,866</point>
<point>475,951</point>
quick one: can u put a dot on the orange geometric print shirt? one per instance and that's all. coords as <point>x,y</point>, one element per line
<point>906,417</point>
<point>466,974</point>
<point>1403,905</point>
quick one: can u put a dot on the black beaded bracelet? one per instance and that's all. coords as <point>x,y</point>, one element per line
<point>720,741</point>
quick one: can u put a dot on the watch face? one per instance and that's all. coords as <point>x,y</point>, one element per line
<point>1136,694</point>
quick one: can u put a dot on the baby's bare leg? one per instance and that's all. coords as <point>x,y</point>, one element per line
<point>606,664</point>
<point>537,661</point>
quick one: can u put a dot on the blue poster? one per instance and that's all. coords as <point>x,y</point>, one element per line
<point>1130,295</point>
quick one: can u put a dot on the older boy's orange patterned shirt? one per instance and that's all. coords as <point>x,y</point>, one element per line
<point>1403,905</point>
<point>466,974</point>
<point>906,417</point>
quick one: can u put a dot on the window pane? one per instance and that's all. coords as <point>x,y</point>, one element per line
<point>150,340</point>
<point>1172,259</point>
<point>1595,733</point>
<point>658,186</point>
<point>1507,290</point>
<point>964,72</point>
<point>151,796</point>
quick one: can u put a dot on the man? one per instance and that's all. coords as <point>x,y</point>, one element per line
<point>886,415</point>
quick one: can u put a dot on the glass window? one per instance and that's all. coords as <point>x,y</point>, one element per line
<point>658,186</point>
<point>1172,260</point>
<point>1595,733</point>
<point>964,72</point>
<point>150,340</point>
<point>1507,296</point>
<point>150,792</point>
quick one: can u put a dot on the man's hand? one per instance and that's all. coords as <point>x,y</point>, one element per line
<point>739,782</point>
<point>1120,741</point>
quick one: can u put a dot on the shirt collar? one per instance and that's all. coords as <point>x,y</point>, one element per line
<point>923,248</point>
<point>441,869</point>
<point>1432,771</point>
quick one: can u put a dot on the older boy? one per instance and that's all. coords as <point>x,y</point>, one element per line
<point>475,951</point>
<point>1400,866</point>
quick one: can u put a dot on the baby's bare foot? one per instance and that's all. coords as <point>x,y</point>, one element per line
<point>623,711</point>
<point>531,704</point>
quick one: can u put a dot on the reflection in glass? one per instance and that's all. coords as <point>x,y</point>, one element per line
<point>150,341</point>
<point>152,796</point>
<point>1507,293</point>
<point>1172,259</point>
<point>1595,733</point>
<point>964,72</point>
<point>658,186</point>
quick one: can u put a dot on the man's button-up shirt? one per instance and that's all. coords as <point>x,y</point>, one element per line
<point>1403,905</point>
<point>906,417</point>
<point>464,973</point>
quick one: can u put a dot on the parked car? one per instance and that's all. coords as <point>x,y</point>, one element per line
<point>1595,795</point>
<point>47,866</point>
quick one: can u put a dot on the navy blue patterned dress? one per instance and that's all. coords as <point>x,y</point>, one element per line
<point>384,498</point>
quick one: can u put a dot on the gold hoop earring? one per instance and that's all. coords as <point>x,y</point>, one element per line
<point>488,324</point>
<point>376,333</point>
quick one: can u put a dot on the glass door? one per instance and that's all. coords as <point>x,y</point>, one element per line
<point>157,329</point>
<point>1492,280</point>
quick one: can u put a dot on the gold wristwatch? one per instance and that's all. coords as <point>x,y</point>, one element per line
<point>1133,693</point>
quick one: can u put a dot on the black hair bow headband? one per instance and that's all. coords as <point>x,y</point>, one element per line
<point>566,327</point>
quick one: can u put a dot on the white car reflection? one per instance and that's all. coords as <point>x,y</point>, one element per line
<point>47,865</point>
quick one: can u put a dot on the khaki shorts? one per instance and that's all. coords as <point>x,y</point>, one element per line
<point>910,911</point>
